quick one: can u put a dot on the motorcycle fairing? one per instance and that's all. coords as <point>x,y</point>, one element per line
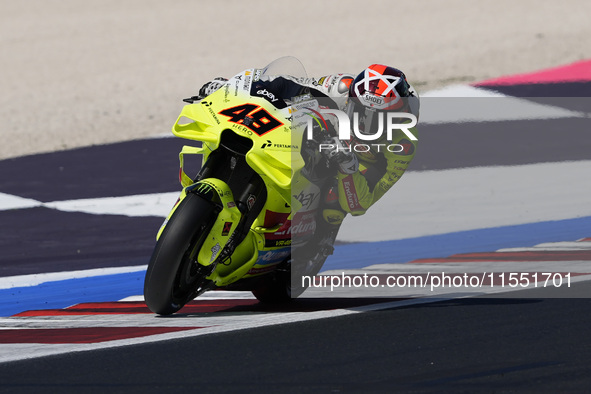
<point>275,156</point>
<point>273,160</point>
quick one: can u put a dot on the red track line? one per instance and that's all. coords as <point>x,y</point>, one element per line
<point>575,72</point>
<point>584,255</point>
<point>82,335</point>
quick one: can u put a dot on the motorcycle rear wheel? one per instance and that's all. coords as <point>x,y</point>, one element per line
<point>275,291</point>
<point>174,276</point>
<point>278,289</point>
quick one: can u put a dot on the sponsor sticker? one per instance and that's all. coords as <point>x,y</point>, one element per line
<point>226,229</point>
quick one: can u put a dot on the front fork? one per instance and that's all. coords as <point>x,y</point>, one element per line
<point>230,246</point>
<point>226,223</point>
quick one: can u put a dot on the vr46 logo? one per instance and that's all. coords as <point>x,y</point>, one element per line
<point>252,116</point>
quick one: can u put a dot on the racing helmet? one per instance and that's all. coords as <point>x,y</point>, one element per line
<point>376,89</point>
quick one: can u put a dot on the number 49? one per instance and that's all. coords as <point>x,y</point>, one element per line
<point>252,116</point>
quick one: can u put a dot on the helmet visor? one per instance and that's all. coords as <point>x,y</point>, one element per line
<point>369,120</point>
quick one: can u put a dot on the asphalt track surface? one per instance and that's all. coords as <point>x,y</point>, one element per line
<point>469,345</point>
<point>484,344</point>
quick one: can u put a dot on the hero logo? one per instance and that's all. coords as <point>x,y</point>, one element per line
<point>269,95</point>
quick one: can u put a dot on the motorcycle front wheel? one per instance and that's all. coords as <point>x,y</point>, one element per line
<point>174,276</point>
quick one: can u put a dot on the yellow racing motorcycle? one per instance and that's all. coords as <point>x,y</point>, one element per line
<point>255,203</point>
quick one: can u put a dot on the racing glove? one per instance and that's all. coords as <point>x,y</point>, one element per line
<point>207,89</point>
<point>345,159</point>
<point>211,87</point>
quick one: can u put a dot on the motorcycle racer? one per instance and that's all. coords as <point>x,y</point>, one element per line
<point>366,171</point>
<point>281,168</point>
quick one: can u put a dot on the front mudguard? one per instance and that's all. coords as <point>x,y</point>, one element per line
<point>219,193</point>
